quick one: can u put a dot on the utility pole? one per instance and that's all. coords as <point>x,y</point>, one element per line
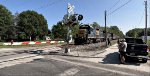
<point>105,27</point>
<point>145,31</point>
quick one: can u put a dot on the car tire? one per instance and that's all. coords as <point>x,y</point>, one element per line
<point>144,60</point>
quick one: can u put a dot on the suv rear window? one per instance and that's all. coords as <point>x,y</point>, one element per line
<point>136,41</point>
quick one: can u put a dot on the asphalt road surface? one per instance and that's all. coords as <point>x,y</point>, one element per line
<point>105,64</point>
<point>64,66</point>
<point>53,67</point>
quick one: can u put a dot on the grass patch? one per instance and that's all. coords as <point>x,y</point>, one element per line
<point>148,43</point>
<point>20,46</point>
<point>1,43</point>
<point>148,53</point>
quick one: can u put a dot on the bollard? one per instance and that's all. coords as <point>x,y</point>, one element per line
<point>67,50</point>
<point>12,42</point>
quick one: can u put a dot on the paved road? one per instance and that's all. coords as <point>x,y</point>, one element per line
<point>14,56</point>
<point>105,64</point>
<point>63,66</point>
<point>52,67</point>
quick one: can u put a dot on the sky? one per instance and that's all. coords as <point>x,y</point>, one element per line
<point>130,16</point>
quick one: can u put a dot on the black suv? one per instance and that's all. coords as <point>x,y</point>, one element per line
<point>136,48</point>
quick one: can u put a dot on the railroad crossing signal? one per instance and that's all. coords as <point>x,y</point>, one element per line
<point>74,19</point>
<point>80,17</point>
<point>70,8</point>
<point>71,20</point>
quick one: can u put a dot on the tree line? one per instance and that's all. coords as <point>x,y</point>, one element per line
<point>32,25</point>
<point>137,32</point>
<point>59,30</point>
<point>22,26</point>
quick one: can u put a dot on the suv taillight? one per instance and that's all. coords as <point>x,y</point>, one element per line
<point>146,49</point>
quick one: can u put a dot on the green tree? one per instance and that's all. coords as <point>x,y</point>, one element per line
<point>75,30</point>
<point>32,24</point>
<point>6,21</point>
<point>115,30</point>
<point>50,34</point>
<point>148,31</point>
<point>59,31</point>
<point>137,32</point>
<point>95,24</point>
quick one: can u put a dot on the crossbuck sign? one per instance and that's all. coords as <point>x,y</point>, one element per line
<point>70,8</point>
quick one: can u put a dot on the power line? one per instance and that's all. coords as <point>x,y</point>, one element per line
<point>47,5</point>
<point>141,18</point>
<point>114,5</point>
<point>119,7</point>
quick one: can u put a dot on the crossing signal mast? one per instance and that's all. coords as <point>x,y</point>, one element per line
<point>71,21</point>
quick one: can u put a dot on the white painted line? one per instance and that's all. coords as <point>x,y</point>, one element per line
<point>90,66</point>
<point>70,72</point>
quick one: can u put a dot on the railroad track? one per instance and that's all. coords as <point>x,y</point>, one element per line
<point>73,46</point>
<point>87,47</point>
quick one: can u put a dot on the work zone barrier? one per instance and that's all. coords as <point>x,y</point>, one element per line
<point>33,43</point>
